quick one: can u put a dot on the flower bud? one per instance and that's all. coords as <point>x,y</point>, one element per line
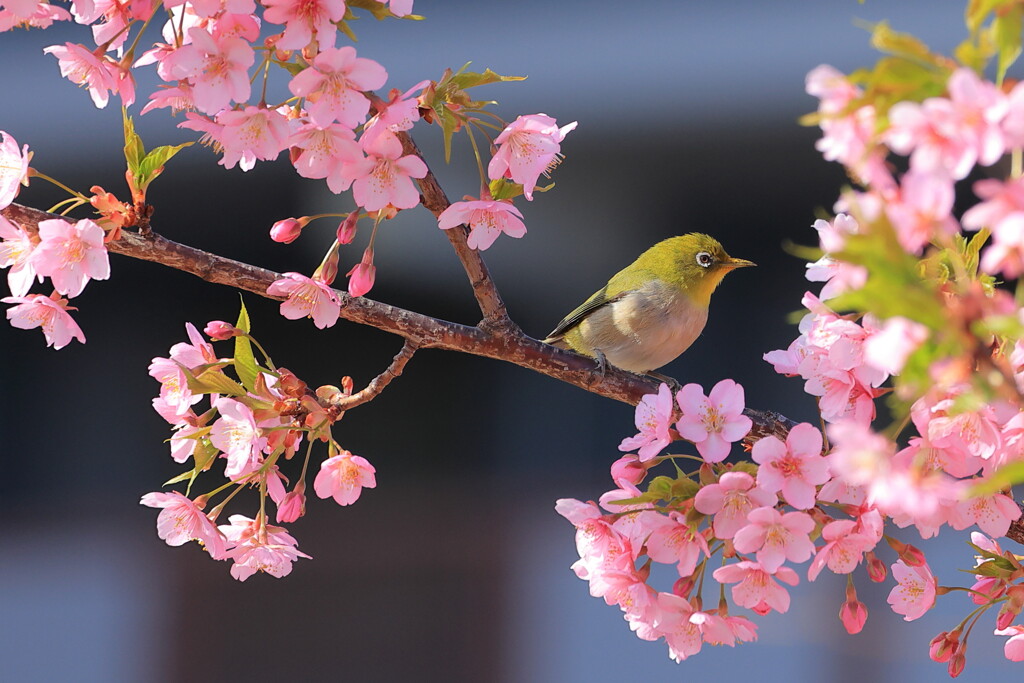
<point>347,229</point>
<point>910,555</point>
<point>218,330</point>
<point>360,278</point>
<point>292,506</point>
<point>942,646</point>
<point>628,469</point>
<point>876,568</point>
<point>853,614</point>
<point>684,586</point>
<point>289,384</point>
<point>328,268</point>
<point>957,663</point>
<point>288,230</point>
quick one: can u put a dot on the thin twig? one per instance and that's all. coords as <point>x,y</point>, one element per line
<point>378,383</point>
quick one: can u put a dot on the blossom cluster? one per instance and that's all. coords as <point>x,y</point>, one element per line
<point>796,502</point>
<point>253,429</point>
<point>69,254</point>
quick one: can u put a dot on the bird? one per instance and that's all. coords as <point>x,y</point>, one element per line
<point>652,310</point>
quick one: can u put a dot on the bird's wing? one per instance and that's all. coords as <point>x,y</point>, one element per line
<point>596,301</point>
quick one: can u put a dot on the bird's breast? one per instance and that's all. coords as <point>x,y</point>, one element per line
<point>647,328</point>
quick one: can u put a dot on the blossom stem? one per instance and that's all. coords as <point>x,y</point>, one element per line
<point>61,185</point>
<point>266,356</point>
<point>476,153</point>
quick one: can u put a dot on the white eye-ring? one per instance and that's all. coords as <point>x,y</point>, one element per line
<point>704,259</point>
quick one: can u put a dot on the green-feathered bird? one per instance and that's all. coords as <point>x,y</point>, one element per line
<point>651,310</point>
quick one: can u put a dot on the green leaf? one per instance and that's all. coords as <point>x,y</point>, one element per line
<point>245,361</point>
<point>215,382</point>
<point>684,488</point>
<point>471,79</point>
<point>885,39</point>
<point>1005,476</point>
<point>134,151</point>
<point>1006,34</point>
<point>152,165</point>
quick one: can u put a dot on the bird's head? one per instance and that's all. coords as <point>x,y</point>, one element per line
<point>695,262</point>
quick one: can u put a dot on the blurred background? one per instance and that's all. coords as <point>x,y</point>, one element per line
<point>456,568</point>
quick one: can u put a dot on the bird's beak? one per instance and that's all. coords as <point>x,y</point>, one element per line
<point>737,263</point>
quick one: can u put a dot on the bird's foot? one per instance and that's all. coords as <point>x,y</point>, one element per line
<point>602,363</point>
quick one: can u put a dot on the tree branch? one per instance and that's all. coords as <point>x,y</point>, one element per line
<point>378,383</point>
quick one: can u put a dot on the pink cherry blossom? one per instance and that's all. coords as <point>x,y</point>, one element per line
<point>42,15</point>
<point>176,398</point>
<point>838,276</point>
<point>794,467</point>
<point>245,136</point>
<point>326,152</point>
<point>628,470</point>
<point>400,113</point>
<point>344,477</point>
<point>400,8</point>
<point>82,67</point>
<point>653,419</point>
<point>1014,647</point>
<point>16,253</point>
<point>674,622</point>
<point>180,521</point>
<point>776,537</point>
<point>923,210</point>
<point>292,506</point>
<point>271,550</point>
<point>217,68</point>
<point>49,313</point>
<point>71,255</point>
<point>993,514</point>
<point>730,500</point>
<point>1005,254</point>
<point>185,438</point>
<point>13,168</point>
<point>712,422</point>
<point>756,588</point>
<point>914,593</point>
<point>305,21</point>
<point>845,545</point>
<point>236,434</point>
<point>528,147</point>
<point>673,541</point>
<point>306,298</point>
<point>333,86</point>
<point>385,177</point>
<point>486,218</point>
<point>888,348</point>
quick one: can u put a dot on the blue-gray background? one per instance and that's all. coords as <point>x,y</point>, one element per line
<point>456,568</point>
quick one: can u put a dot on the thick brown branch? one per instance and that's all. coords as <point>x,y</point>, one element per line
<point>378,383</point>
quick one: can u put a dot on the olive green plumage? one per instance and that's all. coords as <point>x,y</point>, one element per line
<point>651,310</point>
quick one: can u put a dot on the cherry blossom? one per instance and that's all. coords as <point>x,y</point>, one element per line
<point>923,211</point>
<point>271,549</point>
<point>653,417</point>
<point>236,434</point>
<point>1014,647</point>
<point>673,541</point>
<point>326,152</point>
<point>993,514</point>
<point>385,177</point>
<point>216,66</point>
<point>888,348</point>
<point>99,75</point>
<point>16,253</point>
<point>794,467</point>
<point>49,313</point>
<point>400,113</point>
<point>333,85</point>
<point>180,521</point>
<point>730,500</point>
<point>306,298</point>
<point>71,255</point>
<point>914,593</point>
<point>13,168</point>
<point>344,477</point>
<point>245,136</point>
<point>844,548</point>
<point>712,422</point>
<point>756,588</point>
<point>42,15</point>
<point>486,218</point>
<point>776,537</point>
<point>527,147</point>
<point>305,21</point>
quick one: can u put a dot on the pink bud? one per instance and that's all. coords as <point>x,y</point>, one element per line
<point>910,555</point>
<point>1005,617</point>
<point>942,646</point>
<point>218,330</point>
<point>853,614</point>
<point>684,586</point>
<point>876,568</point>
<point>957,663</point>
<point>347,229</point>
<point>628,470</point>
<point>328,268</point>
<point>360,278</point>
<point>288,230</point>
<point>292,506</point>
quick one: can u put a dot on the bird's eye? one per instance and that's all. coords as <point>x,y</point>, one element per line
<point>704,259</point>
